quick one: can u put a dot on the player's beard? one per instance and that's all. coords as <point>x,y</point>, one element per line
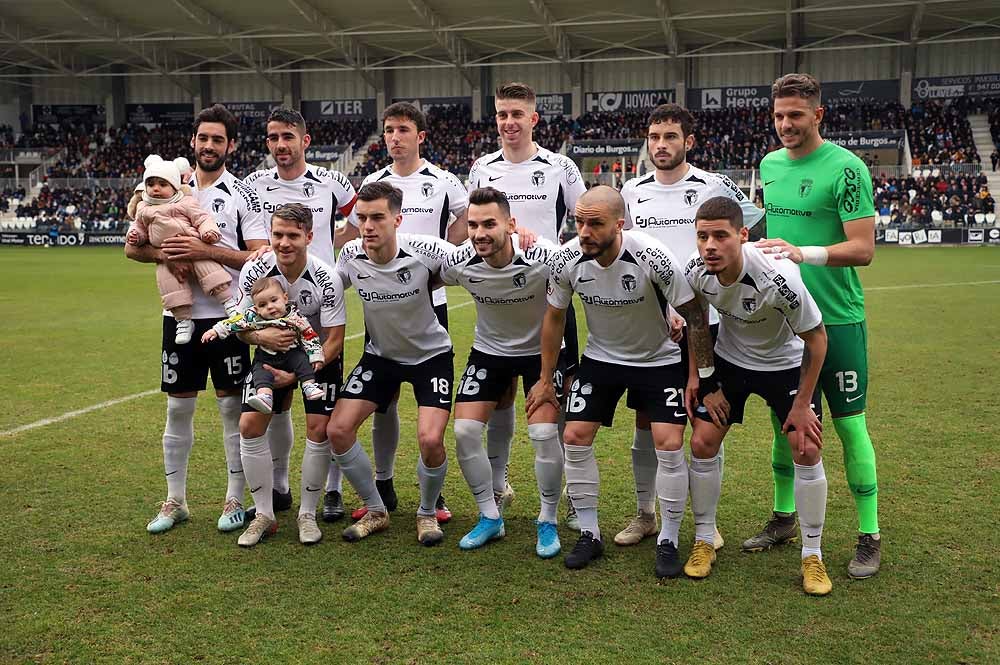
<point>211,166</point>
<point>672,163</point>
<point>594,248</point>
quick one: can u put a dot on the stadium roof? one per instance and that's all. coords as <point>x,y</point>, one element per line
<point>270,37</point>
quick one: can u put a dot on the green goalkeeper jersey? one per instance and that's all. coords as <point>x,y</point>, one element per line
<point>807,201</point>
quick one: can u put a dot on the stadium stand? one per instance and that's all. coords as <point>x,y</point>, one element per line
<point>76,209</point>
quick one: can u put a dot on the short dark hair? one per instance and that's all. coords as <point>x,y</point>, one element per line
<point>220,114</point>
<point>374,191</point>
<point>407,111</point>
<point>265,283</point>
<point>289,117</point>
<point>672,113</point>
<point>515,90</point>
<point>721,207</point>
<point>295,213</point>
<point>805,86</point>
<point>483,196</point>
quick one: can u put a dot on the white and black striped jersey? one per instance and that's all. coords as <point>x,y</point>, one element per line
<point>323,191</point>
<point>399,316</point>
<point>317,293</point>
<point>541,190</point>
<point>762,312</point>
<point>510,301</point>
<point>237,210</point>
<point>625,303</point>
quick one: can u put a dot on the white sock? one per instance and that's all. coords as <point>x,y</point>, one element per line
<point>810,499</point>
<point>315,460</point>
<point>334,478</point>
<point>178,439</point>
<point>548,468</point>
<point>583,481</point>
<point>644,470</point>
<point>259,470</point>
<point>499,435</point>
<point>431,482</point>
<point>385,441</point>
<point>229,413</point>
<point>672,490</point>
<point>357,469</point>
<point>474,464</point>
<point>706,486</point>
<point>722,459</point>
<point>281,436</point>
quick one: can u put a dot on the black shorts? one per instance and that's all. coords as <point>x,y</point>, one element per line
<point>185,367</point>
<point>778,389</point>
<point>377,380</point>
<point>487,377</point>
<point>328,378</point>
<point>657,391</point>
<point>571,351</point>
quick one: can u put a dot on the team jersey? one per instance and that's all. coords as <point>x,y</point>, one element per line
<point>541,190</point>
<point>237,210</point>
<point>322,191</point>
<point>399,316</point>
<point>763,311</point>
<point>317,293</point>
<point>807,202</point>
<point>625,303</point>
<point>430,196</point>
<point>510,301</point>
<point>667,212</point>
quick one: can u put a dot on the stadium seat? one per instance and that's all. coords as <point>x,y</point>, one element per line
<point>937,217</point>
<point>991,218</point>
<point>980,218</point>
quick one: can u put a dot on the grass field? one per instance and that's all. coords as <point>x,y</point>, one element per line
<point>81,581</point>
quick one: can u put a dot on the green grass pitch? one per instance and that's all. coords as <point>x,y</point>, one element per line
<point>81,581</point>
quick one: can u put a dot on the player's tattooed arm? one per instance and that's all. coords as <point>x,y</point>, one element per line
<point>802,420</point>
<point>544,391</point>
<point>698,332</point>
<point>708,391</point>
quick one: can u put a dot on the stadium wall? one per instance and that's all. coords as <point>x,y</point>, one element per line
<point>427,83</point>
<point>628,75</point>
<point>758,69</point>
<point>854,65</point>
<point>543,78</point>
<point>959,58</point>
<point>71,90</point>
<point>160,89</point>
<point>244,89</point>
<point>334,85</point>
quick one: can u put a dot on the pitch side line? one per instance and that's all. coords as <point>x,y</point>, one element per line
<point>928,286</point>
<point>146,393</point>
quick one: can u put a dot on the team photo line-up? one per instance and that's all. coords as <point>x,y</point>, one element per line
<point>684,314</point>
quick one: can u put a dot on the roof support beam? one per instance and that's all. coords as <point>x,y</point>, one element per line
<point>557,37</point>
<point>669,29</point>
<point>455,46</point>
<point>354,52</point>
<point>256,58</point>
<point>14,32</point>
<point>155,57</point>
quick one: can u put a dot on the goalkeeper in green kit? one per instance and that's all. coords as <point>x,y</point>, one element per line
<point>820,214</point>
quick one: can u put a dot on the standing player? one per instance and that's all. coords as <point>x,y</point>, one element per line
<point>820,213</point>
<point>393,274</point>
<point>771,343</point>
<point>431,196</point>
<point>509,287</point>
<point>317,292</point>
<point>243,224</point>
<point>663,204</point>
<point>626,281</point>
<point>324,192</point>
<point>541,186</point>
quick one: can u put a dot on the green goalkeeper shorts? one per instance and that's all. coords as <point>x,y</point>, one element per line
<point>844,377</point>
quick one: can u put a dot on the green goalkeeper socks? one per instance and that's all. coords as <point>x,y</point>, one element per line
<point>859,464</point>
<point>783,470</point>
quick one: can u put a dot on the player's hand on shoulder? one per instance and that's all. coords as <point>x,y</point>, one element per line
<point>257,253</point>
<point>526,238</point>
<point>780,249</point>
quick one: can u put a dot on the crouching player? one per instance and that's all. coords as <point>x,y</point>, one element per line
<point>509,288</point>
<point>772,343</point>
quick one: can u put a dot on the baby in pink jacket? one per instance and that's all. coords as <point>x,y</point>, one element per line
<point>166,211</point>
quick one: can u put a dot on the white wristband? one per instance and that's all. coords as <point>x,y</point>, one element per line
<point>705,372</point>
<point>814,255</point>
